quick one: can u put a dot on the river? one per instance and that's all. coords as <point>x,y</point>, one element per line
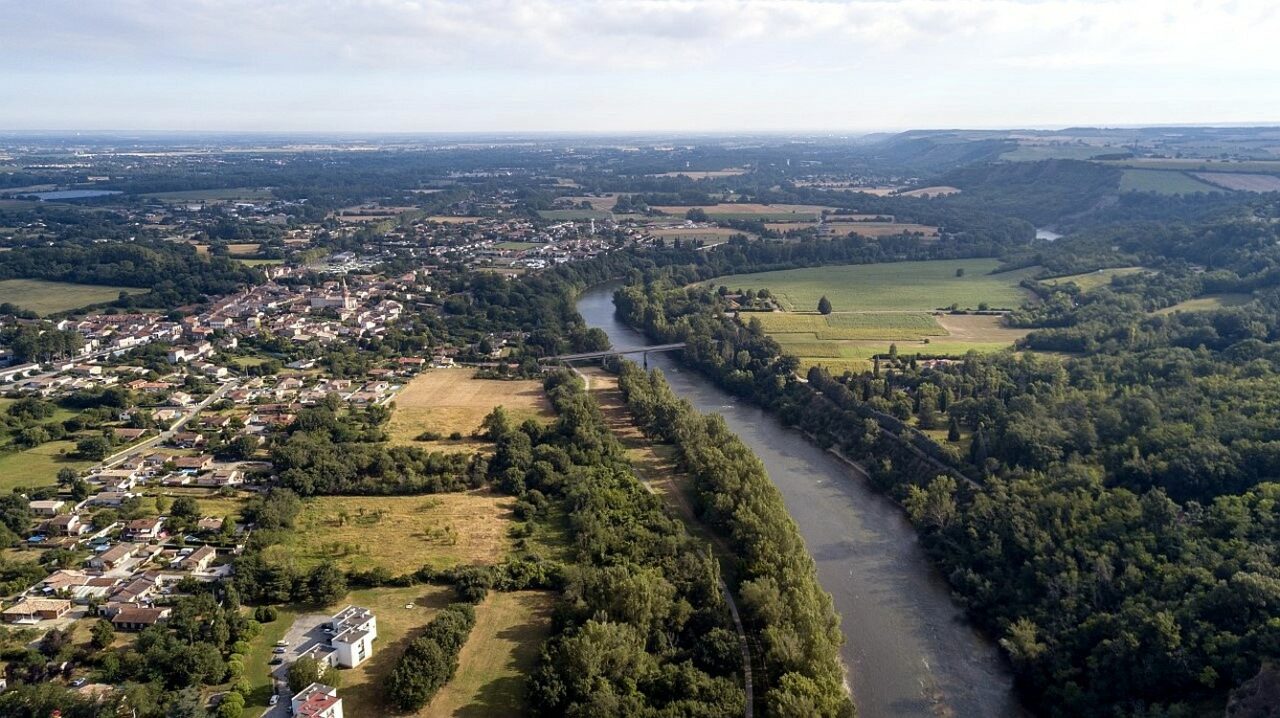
<point>908,650</point>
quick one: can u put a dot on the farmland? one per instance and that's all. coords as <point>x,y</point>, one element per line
<point>211,195</point>
<point>1208,303</point>
<point>1239,181</point>
<point>751,211</point>
<point>897,286</point>
<point>401,533</point>
<point>710,174</point>
<point>709,236</point>
<point>44,297</point>
<point>1092,280</point>
<point>1162,182</point>
<point>562,215</point>
<point>517,246</point>
<point>1197,165</point>
<point>883,304</point>
<point>449,400</point>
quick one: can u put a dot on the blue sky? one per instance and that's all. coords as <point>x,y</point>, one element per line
<point>623,65</point>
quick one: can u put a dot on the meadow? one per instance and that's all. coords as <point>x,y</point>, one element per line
<point>1239,181</point>
<point>44,297</point>
<point>400,533</point>
<point>518,246</point>
<point>856,325</point>
<point>38,466</point>
<point>1208,303</point>
<point>449,400</point>
<point>896,286</point>
<point>564,215</point>
<point>1163,182</point>
<point>1089,281</point>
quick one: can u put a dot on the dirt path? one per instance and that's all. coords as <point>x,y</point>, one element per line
<point>655,466</point>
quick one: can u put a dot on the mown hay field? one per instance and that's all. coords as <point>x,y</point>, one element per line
<point>1088,281</point>
<point>449,400</point>
<point>851,325</point>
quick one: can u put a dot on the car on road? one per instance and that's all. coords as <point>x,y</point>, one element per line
<point>276,661</point>
<point>275,698</point>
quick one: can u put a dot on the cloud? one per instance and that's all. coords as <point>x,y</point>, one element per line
<point>649,62</point>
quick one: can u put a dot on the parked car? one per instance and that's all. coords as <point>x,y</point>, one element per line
<point>275,698</point>
<point>276,661</point>
<point>279,649</point>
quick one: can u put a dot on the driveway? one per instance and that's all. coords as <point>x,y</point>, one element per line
<point>307,630</point>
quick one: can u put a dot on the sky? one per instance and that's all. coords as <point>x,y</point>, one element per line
<point>634,65</point>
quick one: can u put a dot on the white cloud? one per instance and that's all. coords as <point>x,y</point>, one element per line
<point>910,53</point>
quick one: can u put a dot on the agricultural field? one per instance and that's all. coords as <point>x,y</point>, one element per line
<point>43,297</point>
<point>852,325</point>
<point>38,466</point>
<point>1162,182</point>
<point>603,203</point>
<point>451,219</point>
<point>212,195</point>
<point>1089,281</point>
<point>938,191</point>
<point>1197,165</point>
<point>244,248</point>
<point>751,211</point>
<point>896,286</point>
<point>712,174</point>
<point>258,262</point>
<point>1208,303</point>
<point>400,533</point>
<point>449,400</point>
<point>879,229</point>
<point>1241,182</point>
<point>563,215</point>
<point>709,236</point>
<point>1027,152</point>
<point>500,654</point>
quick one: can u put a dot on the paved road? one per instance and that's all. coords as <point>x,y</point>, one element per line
<point>174,428</point>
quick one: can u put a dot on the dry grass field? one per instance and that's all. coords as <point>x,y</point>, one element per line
<point>694,175</point>
<point>450,219</point>
<point>938,191</point>
<point>752,210</point>
<point>400,533</point>
<point>449,400</point>
<point>603,204</point>
<point>880,229</point>
<point>244,248</point>
<point>497,658</point>
<point>1240,181</point>
<point>707,235</point>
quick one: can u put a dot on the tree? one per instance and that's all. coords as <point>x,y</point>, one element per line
<point>303,672</point>
<point>326,584</point>
<point>94,448</point>
<point>102,634</point>
<point>185,507</point>
<point>960,272</point>
<point>824,305</point>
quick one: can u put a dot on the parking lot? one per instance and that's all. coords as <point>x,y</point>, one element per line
<point>307,630</point>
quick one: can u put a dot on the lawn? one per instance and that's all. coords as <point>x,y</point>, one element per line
<point>1208,303</point>
<point>1089,281</point>
<point>44,297</point>
<point>256,666</point>
<point>363,688</point>
<point>1163,182</point>
<point>449,400</point>
<point>257,262</point>
<point>897,286</point>
<point>518,246</point>
<point>38,466</point>
<point>497,658</point>
<point>400,533</point>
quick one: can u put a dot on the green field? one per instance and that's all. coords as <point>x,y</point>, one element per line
<point>44,297</point>
<point>897,286</point>
<point>1031,153</point>
<point>1163,182</point>
<point>211,195</point>
<point>1208,303</point>
<point>816,327</point>
<point>258,262</point>
<point>1197,165</point>
<point>561,215</point>
<point>517,245</point>
<point>38,466</point>
<point>1089,281</point>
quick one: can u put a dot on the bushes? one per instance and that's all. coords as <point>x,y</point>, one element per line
<point>431,659</point>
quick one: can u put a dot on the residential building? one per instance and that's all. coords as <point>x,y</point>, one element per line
<point>33,610</point>
<point>317,701</point>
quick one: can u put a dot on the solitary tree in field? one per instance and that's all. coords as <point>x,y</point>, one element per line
<point>824,305</point>
<point>960,272</point>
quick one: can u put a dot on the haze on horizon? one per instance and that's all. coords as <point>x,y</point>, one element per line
<point>633,65</point>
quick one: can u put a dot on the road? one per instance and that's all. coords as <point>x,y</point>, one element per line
<point>174,428</point>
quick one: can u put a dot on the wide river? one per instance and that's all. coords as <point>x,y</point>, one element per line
<point>908,650</point>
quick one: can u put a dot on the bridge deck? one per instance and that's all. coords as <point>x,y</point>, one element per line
<point>616,352</point>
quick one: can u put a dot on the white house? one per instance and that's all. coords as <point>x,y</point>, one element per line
<point>317,701</point>
<point>354,630</point>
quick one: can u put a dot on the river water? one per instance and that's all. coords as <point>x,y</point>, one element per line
<point>908,650</point>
